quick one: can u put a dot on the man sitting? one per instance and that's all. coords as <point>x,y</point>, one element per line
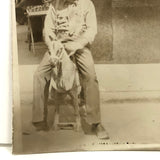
<point>73,23</point>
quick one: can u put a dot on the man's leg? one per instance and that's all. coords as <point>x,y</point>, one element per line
<point>89,84</point>
<point>90,90</point>
<point>40,91</point>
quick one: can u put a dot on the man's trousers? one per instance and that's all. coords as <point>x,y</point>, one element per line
<point>88,80</point>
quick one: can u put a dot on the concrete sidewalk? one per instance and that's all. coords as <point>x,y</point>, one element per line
<point>127,124</point>
<point>116,82</point>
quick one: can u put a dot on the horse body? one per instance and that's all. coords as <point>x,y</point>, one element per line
<point>64,81</point>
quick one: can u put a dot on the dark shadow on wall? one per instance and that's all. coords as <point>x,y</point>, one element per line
<point>102,46</point>
<point>136,33</point>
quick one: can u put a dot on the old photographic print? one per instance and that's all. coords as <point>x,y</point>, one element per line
<point>85,75</point>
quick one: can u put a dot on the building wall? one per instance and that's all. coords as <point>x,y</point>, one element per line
<point>128,31</point>
<point>136,33</point>
<point>135,3</point>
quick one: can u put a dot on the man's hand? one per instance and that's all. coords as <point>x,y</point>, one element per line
<point>53,61</point>
<point>72,46</point>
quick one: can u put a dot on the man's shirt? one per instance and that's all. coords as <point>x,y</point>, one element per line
<point>75,22</point>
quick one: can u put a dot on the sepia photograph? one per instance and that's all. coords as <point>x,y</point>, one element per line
<point>85,75</point>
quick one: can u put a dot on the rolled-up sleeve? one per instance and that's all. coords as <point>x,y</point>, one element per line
<point>91,25</point>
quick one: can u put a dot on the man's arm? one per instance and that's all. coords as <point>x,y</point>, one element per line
<point>49,28</point>
<point>91,29</point>
<point>91,25</point>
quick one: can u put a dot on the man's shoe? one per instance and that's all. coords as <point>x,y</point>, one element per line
<point>101,132</point>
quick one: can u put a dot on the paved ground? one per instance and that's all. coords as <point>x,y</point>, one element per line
<point>127,123</point>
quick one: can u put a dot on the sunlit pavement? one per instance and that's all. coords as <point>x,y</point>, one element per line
<point>127,123</point>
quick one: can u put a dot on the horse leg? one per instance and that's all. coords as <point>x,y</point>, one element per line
<point>74,95</point>
<point>57,105</point>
